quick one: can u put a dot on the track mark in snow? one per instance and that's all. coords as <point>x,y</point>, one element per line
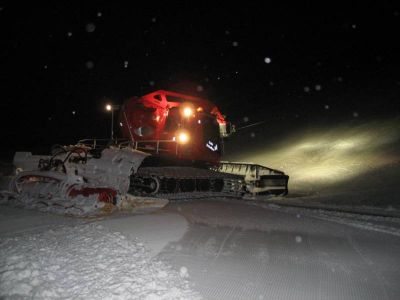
<point>379,276</point>
<point>223,243</point>
<point>366,222</point>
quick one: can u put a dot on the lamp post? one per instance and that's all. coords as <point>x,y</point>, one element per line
<point>111,107</point>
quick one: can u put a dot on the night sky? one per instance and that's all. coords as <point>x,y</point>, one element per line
<point>292,66</point>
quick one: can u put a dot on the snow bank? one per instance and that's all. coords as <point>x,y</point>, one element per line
<point>85,262</point>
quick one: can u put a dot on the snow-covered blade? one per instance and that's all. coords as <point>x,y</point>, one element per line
<point>78,182</point>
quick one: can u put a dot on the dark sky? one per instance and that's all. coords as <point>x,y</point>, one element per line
<point>290,65</point>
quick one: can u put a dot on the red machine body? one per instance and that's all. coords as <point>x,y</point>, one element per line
<point>174,125</point>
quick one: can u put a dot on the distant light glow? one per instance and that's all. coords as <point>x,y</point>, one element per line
<point>108,107</point>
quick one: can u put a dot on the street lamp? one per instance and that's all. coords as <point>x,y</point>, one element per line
<point>111,107</point>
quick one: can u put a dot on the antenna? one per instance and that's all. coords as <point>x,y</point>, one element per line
<point>251,125</point>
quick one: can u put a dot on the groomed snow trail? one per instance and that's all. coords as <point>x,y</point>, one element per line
<point>238,251</point>
<point>86,261</point>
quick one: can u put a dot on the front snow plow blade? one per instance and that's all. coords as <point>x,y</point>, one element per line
<point>74,182</point>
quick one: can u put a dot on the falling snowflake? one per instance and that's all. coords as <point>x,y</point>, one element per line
<point>219,77</point>
<point>90,27</point>
<point>89,64</point>
<point>154,20</point>
<point>183,272</point>
<point>318,87</point>
<point>235,44</point>
<point>298,239</point>
<point>340,79</point>
<point>146,54</point>
<point>227,32</point>
<point>151,83</point>
<point>237,72</point>
<point>245,119</point>
<point>200,88</point>
<point>267,60</point>
<point>73,112</point>
<point>326,107</point>
<point>355,114</point>
<point>206,79</point>
<point>69,34</point>
<point>45,66</point>
<point>252,135</point>
<point>49,118</point>
<point>271,83</point>
<point>126,64</point>
<point>99,14</point>
<point>354,26</point>
<point>307,89</point>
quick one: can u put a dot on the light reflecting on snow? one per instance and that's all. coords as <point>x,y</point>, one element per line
<point>333,155</point>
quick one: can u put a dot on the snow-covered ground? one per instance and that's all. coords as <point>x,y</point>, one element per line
<point>200,249</point>
<point>44,256</point>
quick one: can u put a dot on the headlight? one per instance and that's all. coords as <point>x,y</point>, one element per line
<point>187,112</point>
<point>182,137</point>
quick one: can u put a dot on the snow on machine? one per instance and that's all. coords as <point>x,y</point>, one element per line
<point>171,147</point>
<point>76,181</point>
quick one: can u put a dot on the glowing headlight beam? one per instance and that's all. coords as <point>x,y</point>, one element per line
<point>187,112</point>
<point>183,137</point>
